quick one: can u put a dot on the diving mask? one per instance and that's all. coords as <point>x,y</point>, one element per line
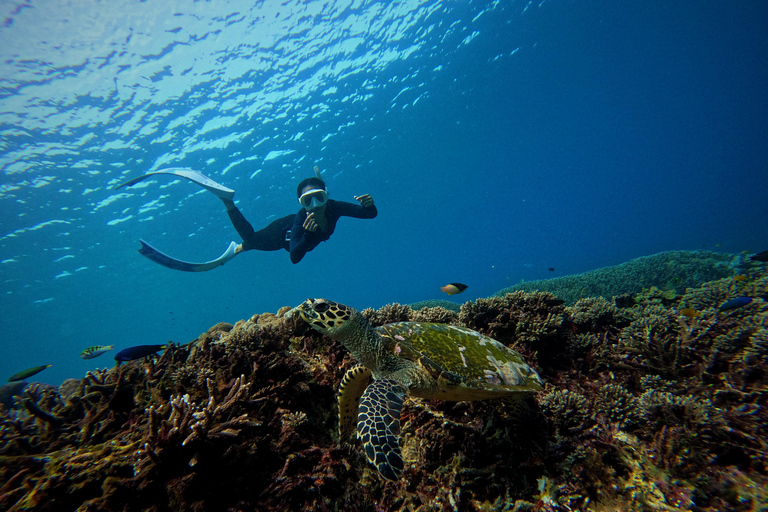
<point>313,199</point>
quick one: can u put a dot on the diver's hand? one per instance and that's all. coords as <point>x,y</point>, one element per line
<point>365,200</point>
<point>309,223</point>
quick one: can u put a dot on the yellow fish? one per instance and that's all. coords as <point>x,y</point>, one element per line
<point>739,278</point>
<point>690,313</point>
<point>454,288</point>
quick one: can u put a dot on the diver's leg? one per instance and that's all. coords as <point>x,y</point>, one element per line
<point>271,238</point>
<point>243,227</point>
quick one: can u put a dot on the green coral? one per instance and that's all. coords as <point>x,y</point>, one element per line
<point>673,271</point>
<point>436,303</point>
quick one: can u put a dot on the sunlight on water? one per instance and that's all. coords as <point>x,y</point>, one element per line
<point>107,93</point>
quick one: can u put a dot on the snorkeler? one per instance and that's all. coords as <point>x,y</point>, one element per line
<point>297,233</point>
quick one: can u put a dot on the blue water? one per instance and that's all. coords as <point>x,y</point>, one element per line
<point>498,139</point>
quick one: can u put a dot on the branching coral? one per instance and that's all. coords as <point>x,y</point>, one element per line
<point>388,314</point>
<point>592,311</point>
<point>614,404</point>
<point>523,317</point>
<point>436,314</point>
<point>445,304</point>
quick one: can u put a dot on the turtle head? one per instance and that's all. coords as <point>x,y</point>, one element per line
<point>326,316</point>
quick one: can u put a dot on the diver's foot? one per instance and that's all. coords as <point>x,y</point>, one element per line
<point>228,203</point>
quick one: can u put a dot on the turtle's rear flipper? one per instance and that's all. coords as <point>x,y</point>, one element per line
<point>378,425</point>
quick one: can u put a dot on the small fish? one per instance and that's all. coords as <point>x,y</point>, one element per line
<point>137,352</point>
<point>95,351</point>
<point>739,278</point>
<point>28,373</point>
<point>454,288</point>
<point>761,256</point>
<point>624,301</point>
<point>690,313</point>
<point>551,269</point>
<point>735,303</point>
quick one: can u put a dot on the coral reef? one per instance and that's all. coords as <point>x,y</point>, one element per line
<point>673,271</point>
<point>655,404</point>
<point>436,303</point>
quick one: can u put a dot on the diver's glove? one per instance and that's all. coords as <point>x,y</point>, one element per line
<point>365,200</point>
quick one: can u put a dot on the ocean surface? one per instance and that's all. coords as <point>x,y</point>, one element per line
<point>499,140</point>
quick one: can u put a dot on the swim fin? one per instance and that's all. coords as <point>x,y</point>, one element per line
<point>163,259</point>
<point>200,179</point>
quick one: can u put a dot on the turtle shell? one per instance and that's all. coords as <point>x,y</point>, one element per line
<point>460,359</point>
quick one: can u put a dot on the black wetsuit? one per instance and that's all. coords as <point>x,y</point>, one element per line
<point>288,232</point>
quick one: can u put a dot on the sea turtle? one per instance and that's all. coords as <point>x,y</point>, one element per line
<point>426,360</point>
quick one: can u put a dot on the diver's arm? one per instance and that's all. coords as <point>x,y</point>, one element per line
<point>358,211</point>
<point>300,243</point>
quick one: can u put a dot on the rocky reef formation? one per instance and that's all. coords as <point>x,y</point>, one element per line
<point>657,403</point>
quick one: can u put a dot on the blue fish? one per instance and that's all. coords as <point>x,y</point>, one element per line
<point>735,303</point>
<point>137,352</point>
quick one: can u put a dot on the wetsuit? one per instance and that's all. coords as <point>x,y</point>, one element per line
<point>288,232</point>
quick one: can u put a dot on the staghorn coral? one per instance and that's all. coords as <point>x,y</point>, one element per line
<point>592,311</point>
<point>644,409</point>
<point>388,314</point>
<point>527,317</point>
<point>614,404</point>
<point>434,314</point>
<point>439,303</point>
<point>571,409</point>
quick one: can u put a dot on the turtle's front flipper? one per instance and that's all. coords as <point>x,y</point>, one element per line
<point>351,389</point>
<point>378,425</point>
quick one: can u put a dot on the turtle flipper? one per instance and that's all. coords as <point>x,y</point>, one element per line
<point>352,386</point>
<point>378,425</point>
